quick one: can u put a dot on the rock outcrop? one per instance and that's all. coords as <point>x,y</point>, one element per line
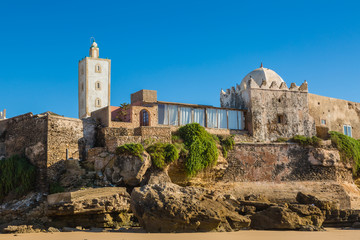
<point>119,170</point>
<point>171,208</point>
<point>288,217</point>
<point>99,207</point>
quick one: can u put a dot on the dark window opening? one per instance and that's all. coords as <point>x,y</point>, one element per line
<point>280,119</point>
<point>144,118</point>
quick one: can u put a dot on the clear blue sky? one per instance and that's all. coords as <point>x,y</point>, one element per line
<point>186,50</point>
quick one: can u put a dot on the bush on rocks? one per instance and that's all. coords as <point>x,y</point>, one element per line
<point>202,148</point>
<point>162,154</point>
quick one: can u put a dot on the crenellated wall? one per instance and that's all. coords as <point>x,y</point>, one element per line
<point>273,110</point>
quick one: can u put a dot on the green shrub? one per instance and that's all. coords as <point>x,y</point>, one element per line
<point>162,154</point>
<point>227,143</point>
<point>281,139</point>
<point>349,149</point>
<point>201,146</point>
<point>306,141</point>
<point>135,149</point>
<point>16,174</point>
<point>56,188</point>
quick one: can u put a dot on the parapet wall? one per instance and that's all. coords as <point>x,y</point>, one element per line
<point>277,162</point>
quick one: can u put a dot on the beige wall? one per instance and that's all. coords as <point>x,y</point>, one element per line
<point>266,107</point>
<point>336,113</point>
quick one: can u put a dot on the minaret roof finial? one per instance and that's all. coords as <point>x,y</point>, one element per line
<point>261,65</point>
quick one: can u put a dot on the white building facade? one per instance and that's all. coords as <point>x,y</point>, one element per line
<point>94,82</point>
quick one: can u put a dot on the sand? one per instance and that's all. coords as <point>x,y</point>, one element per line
<point>330,234</point>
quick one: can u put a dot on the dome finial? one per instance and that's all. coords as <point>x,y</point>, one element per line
<point>261,65</point>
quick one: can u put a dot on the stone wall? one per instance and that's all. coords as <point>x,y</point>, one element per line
<point>279,113</point>
<point>111,138</point>
<point>148,96</point>
<point>336,113</point>
<point>43,139</point>
<point>26,135</point>
<point>276,162</point>
<point>67,135</point>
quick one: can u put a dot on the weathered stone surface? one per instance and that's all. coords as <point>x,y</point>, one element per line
<point>284,217</point>
<point>310,199</point>
<point>100,207</point>
<point>171,208</point>
<point>132,169</point>
<point>274,162</point>
<point>113,169</point>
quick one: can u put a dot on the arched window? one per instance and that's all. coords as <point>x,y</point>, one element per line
<point>98,85</point>
<point>144,118</point>
<point>98,102</point>
<point>98,68</point>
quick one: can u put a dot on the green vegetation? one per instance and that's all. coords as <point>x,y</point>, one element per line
<point>17,175</point>
<point>135,149</point>
<point>123,112</point>
<point>56,188</point>
<point>281,139</point>
<point>306,141</point>
<point>162,154</point>
<point>349,149</point>
<point>227,143</point>
<point>201,146</point>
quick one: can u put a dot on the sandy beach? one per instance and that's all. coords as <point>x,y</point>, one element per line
<point>330,234</point>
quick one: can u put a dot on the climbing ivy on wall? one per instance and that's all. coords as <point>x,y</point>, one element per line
<point>17,175</point>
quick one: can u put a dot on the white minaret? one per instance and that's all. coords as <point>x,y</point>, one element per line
<point>94,82</point>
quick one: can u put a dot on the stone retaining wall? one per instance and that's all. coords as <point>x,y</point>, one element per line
<point>275,162</point>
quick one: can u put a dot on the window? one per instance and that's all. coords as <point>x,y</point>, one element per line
<point>323,122</point>
<point>144,118</point>
<point>163,117</point>
<point>98,85</point>
<point>280,119</point>
<point>98,102</point>
<point>98,68</point>
<point>222,118</point>
<point>82,86</point>
<point>211,118</point>
<point>347,130</point>
<point>185,115</point>
<point>199,116</point>
<point>173,115</point>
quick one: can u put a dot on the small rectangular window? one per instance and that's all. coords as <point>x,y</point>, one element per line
<point>323,121</point>
<point>347,130</point>
<point>280,119</point>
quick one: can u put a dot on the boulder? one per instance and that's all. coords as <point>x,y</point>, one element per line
<point>310,199</point>
<point>98,207</point>
<point>284,217</point>
<point>168,207</point>
<point>113,169</point>
<point>131,169</point>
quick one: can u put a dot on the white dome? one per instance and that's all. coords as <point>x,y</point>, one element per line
<point>261,74</point>
<point>94,44</point>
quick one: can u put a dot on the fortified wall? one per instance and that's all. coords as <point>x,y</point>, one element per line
<point>47,141</point>
<point>278,162</point>
<point>273,109</point>
<point>334,114</point>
